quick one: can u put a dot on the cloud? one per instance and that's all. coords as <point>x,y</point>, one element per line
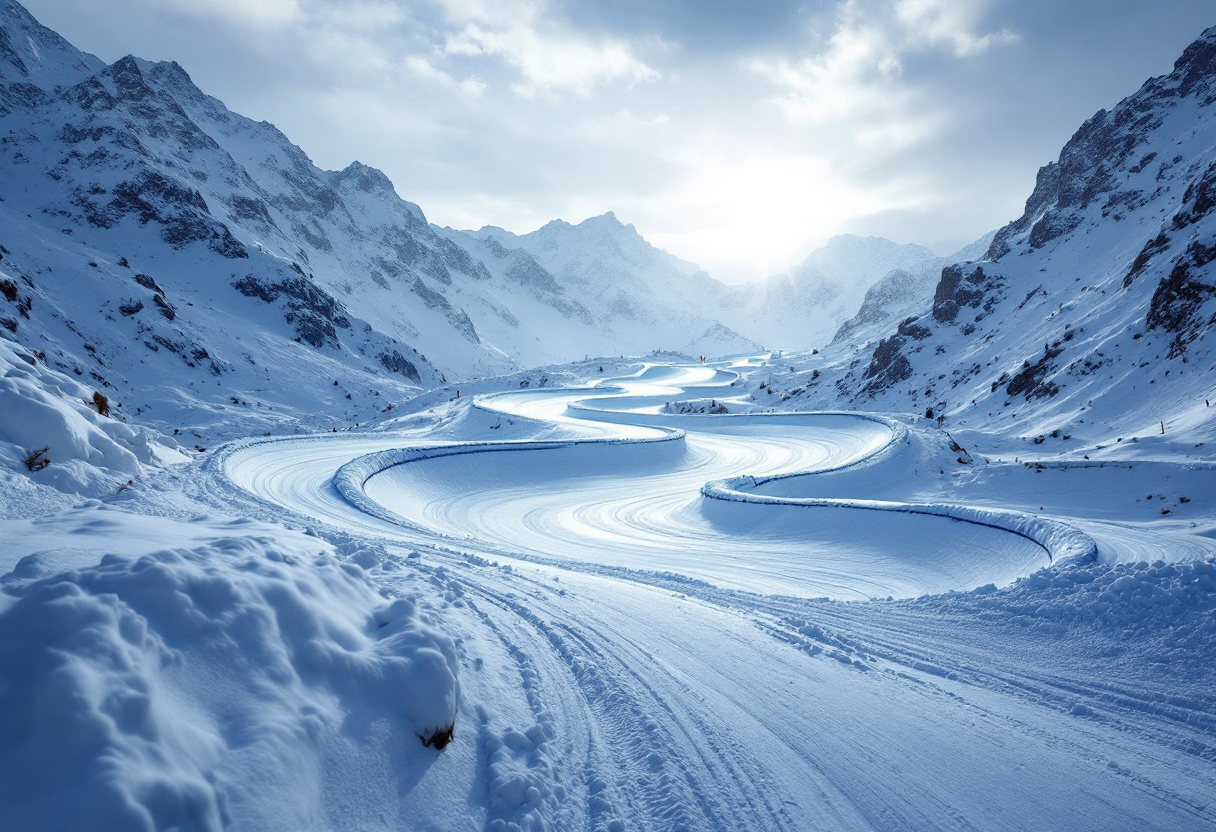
<point>950,23</point>
<point>856,72</point>
<point>425,71</point>
<point>859,72</point>
<point>550,58</point>
<point>742,208</point>
<point>262,15</point>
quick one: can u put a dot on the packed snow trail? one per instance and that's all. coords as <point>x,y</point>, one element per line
<point>550,501</point>
<point>636,656</point>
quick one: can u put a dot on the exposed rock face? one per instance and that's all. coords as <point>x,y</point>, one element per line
<point>904,291</point>
<point>395,362</point>
<point>151,197</point>
<point>315,315</point>
<point>965,287</point>
<point>1107,282</point>
<point>1180,304</point>
<point>888,365</point>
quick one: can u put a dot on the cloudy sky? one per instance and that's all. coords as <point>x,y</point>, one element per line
<point>738,135</point>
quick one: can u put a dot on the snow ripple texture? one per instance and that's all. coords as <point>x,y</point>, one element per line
<point>634,654</point>
<point>545,500</point>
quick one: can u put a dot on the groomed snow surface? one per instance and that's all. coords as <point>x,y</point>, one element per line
<point>636,610</point>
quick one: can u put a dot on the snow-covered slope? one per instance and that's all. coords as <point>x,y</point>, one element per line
<point>639,298</point>
<point>803,308</point>
<point>235,241</point>
<point>56,431</point>
<point>1096,306</point>
<point>905,290</point>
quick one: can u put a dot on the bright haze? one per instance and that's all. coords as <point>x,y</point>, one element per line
<point>736,135</point>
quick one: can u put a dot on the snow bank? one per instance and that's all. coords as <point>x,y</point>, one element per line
<point>1152,621</point>
<point>1132,596</point>
<point>199,689</point>
<point>43,408</point>
<point>350,479</point>
<point>1063,542</point>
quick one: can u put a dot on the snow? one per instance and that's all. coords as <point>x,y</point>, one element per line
<point>552,588</point>
<point>579,666</point>
<point>285,586</point>
<point>171,690</point>
<point>91,454</point>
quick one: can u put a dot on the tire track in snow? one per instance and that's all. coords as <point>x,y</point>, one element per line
<point>658,758</point>
<point>853,780</point>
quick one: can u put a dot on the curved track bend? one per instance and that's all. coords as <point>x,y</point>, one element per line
<point>637,654</point>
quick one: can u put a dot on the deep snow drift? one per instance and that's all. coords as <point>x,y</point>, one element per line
<point>183,689</point>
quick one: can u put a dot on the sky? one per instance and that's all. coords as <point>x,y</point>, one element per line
<point>739,136</point>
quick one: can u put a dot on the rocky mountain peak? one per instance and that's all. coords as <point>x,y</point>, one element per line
<point>32,53</point>
<point>34,61</point>
<point>609,222</point>
<point>1107,163</point>
<point>171,77</point>
<point>364,178</point>
<point>1195,69</point>
<point>128,80</point>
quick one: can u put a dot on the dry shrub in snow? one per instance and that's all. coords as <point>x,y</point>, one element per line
<point>45,409</point>
<point>37,460</point>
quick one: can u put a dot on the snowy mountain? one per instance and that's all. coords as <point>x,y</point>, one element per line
<point>804,307</point>
<point>1096,305</point>
<point>157,241</point>
<point>180,256</point>
<point>904,290</point>
<point>150,245</point>
<point>643,297</point>
<point>111,171</point>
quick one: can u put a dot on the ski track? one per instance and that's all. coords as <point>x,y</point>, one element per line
<point>628,663</point>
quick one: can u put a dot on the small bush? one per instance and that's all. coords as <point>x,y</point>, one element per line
<point>37,460</point>
<point>439,738</point>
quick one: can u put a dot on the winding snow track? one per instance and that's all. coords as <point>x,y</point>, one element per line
<point>564,501</point>
<point>661,665</point>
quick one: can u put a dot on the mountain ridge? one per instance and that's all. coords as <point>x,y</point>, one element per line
<point>161,241</point>
<point>1096,305</point>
